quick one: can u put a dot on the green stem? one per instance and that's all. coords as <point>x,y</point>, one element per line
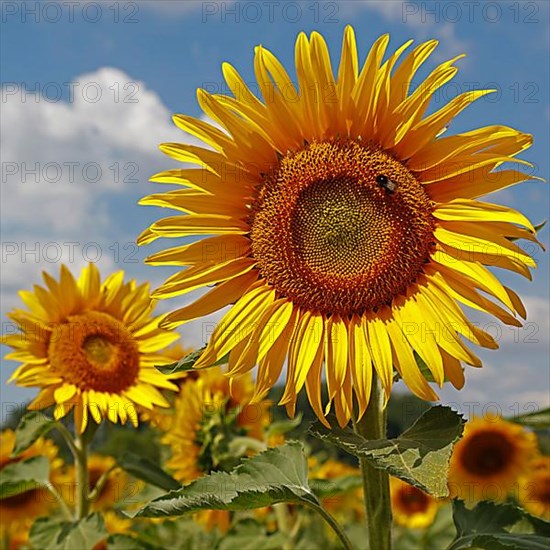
<point>336,527</point>
<point>376,483</point>
<point>67,436</point>
<point>62,504</point>
<point>82,478</point>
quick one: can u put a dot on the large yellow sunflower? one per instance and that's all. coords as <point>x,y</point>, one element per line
<point>90,346</point>
<point>346,230</point>
<point>18,512</point>
<point>411,507</point>
<point>534,488</point>
<point>488,460</point>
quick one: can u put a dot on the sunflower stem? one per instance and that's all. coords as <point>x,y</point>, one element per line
<point>82,477</point>
<point>376,483</point>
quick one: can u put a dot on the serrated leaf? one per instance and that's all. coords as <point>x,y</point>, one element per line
<point>31,426</point>
<point>248,534</point>
<point>65,535</point>
<point>538,420</point>
<point>494,526</point>
<point>420,455</point>
<point>24,475</point>
<point>147,471</point>
<point>275,475</point>
<point>188,362</point>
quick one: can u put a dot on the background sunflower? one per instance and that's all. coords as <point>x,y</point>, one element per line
<point>90,346</point>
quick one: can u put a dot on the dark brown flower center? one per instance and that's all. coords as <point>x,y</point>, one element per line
<point>94,351</point>
<point>341,227</point>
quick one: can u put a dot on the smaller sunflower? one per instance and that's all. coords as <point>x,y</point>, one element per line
<point>18,512</point>
<point>91,347</point>
<point>411,507</point>
<point>206,410</point>
<point>534,488</point>
<point>489,458</point>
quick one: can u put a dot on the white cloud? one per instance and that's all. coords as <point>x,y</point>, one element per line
<point>60,158</point>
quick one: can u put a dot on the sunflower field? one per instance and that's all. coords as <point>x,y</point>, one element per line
<point>341,236</point>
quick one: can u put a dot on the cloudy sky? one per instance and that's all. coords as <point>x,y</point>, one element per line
<point>88,89</point>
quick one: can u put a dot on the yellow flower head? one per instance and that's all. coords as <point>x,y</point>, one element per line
<point>90,346</point>
<point>115,524</point>
<point>211,402</point>
<point>346,230</point>
<point>534,487</point>
<point>488,459</point>
<point>18,512</point>
<point>411,507</point>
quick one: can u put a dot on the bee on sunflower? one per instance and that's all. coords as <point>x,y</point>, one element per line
<point>347,231</point>
<point>488,460</point>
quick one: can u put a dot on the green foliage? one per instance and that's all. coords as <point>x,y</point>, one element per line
<point>538,420</point>
<point>148,471</point>
<point>420,456</point>
<point>249,534</point>
<point>494,526</point>
<point>276,475</point>
<point>126,542</point>
<point>188,362</point>
<point>437,536</point>
<point>326,488</point>
<point>31,426</point>
<point>24,475</point>
<point>65,535</point>
<point>284,425</point>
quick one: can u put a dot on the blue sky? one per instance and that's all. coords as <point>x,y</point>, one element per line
<point>130,65</point>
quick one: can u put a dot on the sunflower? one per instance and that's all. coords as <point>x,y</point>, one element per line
<point>488,460</point>
<point>18,512</point>
<point>161,418</point>
<point>411,507</point>
<point>534,488</point>
<point>206,410</point>
<point>343,229</point>
<point>90,346</point>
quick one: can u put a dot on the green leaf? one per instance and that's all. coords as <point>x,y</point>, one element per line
<point>275,475</point>
<point>537,420</point>
<point>326,488</point>
<point>24,475</point>
<point>148,471</point>
<point>284,426</point>
<point>31,426</point>
<point>66,535</point>
<point>498,526</point>
<point>248,534</point>
<point>188,362</point>
<point>126,542</point>
<point>420,455</point>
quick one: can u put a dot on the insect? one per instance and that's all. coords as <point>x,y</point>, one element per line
<point>389,185</point>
